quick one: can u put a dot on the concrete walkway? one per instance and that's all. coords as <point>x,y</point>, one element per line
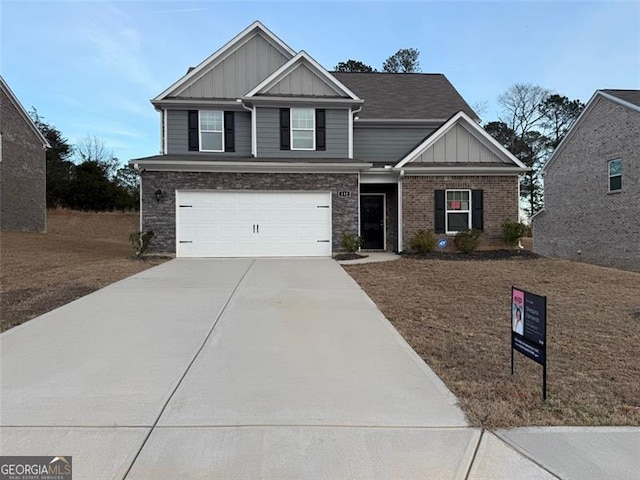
<point>239,368</point>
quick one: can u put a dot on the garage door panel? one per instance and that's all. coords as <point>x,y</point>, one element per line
<point>237,224</point>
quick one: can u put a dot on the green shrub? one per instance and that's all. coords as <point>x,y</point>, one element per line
<point>140,241</point>
<point>351,243</point>
<point>467,241</point>
<point>423,241</point>
<point>513,231</point>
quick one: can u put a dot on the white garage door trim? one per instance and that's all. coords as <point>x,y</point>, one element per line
<point>253,223</point>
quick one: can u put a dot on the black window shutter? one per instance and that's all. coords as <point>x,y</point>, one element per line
<point>439,211</point>
<point>193,131</point>
<point>477,216</point>
<point>229,132</point>
<point>321,141</point>
<point>285,135</point>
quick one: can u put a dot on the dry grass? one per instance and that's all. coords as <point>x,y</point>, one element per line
<point>456,315</point>
<point>81,253</point>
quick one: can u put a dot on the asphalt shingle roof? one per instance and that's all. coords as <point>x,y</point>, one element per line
<point>631,96</point>
<point>410,96</point>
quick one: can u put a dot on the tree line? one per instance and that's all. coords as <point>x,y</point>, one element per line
<point>86,176</point>
<point>532,123</point>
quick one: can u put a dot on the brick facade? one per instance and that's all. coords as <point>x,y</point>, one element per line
<point>161,216</point>
<point>22,172</point>
<point>500,203</point>
<point>580,214</point>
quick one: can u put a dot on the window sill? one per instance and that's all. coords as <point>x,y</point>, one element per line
<point>614,192</point>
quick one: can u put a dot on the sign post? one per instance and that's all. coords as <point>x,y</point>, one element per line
<point>529,329</point>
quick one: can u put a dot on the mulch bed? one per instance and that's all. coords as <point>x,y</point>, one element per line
<point>349,256</point>
<point>502,254</point>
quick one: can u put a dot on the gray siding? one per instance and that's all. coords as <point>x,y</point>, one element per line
<point>303,82</point>
<point>386,144</point>
<point>337,135</point>
<point>237,74</point>
<point>580,214</point>
<point>177,133</point>
<point>458,145</point>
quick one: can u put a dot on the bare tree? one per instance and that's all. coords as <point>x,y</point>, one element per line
<point>521,106</point>
<point>92,149</point>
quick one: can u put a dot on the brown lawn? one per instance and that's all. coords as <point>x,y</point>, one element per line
<point>456,315</point>
<point>81,252</point>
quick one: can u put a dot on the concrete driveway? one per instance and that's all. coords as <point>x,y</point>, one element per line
<point>234,368</point>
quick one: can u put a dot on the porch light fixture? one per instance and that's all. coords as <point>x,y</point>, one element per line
<point>159,194</point>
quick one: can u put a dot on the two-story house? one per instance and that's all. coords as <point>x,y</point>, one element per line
<point>266,153</point>
<point>592,186</point>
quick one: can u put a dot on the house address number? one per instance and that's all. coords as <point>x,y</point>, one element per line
<point>344,194</point>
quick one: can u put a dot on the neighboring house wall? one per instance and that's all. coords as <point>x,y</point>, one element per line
<point>386,143</point>
<point>161,216</point>
<point>500,202</point>
<point>22,172</point>
<point>580,214</point>
<point>268,134</point>
<point>178,133</point>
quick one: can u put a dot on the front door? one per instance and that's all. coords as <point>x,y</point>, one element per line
<point>372,220</point>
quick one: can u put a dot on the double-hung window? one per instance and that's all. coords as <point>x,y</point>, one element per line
<point>615,175</point>
<point>458,210</point>
<point>211,131</point>
<point>303,129</point>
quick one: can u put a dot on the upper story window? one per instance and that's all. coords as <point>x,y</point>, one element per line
<point>211,131</point>
<point>458,210</point>
<point>615,175</point>
<point>303,129</point>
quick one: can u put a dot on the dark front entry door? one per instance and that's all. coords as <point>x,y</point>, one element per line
<point>372,221</point>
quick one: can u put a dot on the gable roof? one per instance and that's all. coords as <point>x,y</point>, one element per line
<point>626,98</point>
<point>302,58</point>
<point>236,42</point>
<point>629,96</point>
<point>479,133</point>
<point>406,96</point>
<point>5,88</point>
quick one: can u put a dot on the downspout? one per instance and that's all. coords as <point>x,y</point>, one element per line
<point>400,211</point>
<point>351,115</point>
<point>254,125</point>
<point>137,168</point>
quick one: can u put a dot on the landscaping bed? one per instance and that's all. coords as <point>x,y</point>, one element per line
<point>81,253</point>
<point>456,316</point>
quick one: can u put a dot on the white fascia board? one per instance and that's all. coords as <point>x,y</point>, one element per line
<point>177,103</point>
<point>223,52</point>
<point>312,101</point>
<point>485,171</point>
<point>475,129</point>
<point>290,66</point>
<point>207,166</point>
<point>23,112</point>
<point>587,110</point>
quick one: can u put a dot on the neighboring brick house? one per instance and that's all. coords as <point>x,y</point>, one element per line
<point>266,153</point>
<point>23,176</point>
<point>592,186</point>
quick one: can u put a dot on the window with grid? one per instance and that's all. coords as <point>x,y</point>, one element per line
<point>458,214</point>
<point>302,129</point>
<point>615,175</point>
<point>211,131</point>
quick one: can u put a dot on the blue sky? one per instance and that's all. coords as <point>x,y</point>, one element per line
<point>90,68</point>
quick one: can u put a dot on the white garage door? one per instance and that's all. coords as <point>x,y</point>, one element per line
<point>253,224</point>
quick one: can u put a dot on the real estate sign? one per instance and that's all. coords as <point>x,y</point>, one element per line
<point>529,328</point>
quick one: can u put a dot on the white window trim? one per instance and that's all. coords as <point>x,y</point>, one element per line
<point>609,176</point>
<point>447,211</point>
<point>209,131</point>
<point>313,129</point>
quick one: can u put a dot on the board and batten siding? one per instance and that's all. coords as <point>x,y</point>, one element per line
<point>303,81</point>
<point>178,133</point>
<point>337,135</point>
<point>458,145</point>
<point>386,144</point>
<point>245,68</point>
